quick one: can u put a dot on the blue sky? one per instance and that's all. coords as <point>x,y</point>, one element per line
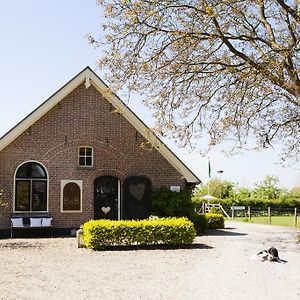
<point>43,46</point>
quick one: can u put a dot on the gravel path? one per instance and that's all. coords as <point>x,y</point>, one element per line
<point>218,266</point>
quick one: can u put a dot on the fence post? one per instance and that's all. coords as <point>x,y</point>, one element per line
<point>269,214</point>
<point>295,217</point>
<point>249,212</point>
<point>232,213</point>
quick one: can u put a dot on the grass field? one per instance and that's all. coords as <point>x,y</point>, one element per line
<point>276,220</point>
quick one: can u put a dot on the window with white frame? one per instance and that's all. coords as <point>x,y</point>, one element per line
<point>71,195</point>
<point>85,156</point>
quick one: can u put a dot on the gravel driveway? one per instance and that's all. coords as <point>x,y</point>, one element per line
<point>218,266</point>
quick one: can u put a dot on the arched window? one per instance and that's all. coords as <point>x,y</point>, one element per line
<point>31,187</point>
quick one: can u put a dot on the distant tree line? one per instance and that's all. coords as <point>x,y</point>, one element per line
<point>265,193</point>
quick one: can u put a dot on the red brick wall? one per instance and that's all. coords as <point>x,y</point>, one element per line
<point>83,118</point>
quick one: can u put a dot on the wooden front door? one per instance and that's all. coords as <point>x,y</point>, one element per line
<point>106,198</point>
<point>136,202</point>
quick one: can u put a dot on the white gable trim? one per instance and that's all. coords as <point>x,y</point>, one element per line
<point>10,136</point>
<point>90,77</point>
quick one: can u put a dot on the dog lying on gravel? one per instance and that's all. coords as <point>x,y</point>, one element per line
<point>270,255</point>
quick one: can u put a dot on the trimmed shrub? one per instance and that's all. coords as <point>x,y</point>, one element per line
<point>199,221</point>
<point>98,234</point>
<point>214,221</point>
<point>258,203</point>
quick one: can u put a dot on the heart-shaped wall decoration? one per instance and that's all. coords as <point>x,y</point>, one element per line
<point>106,210</point>
<point>137,191</point>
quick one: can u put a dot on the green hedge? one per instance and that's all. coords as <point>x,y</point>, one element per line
<point>258,203</point>
<point>199,221</point>
<point>98,234</point>
<point>165,203</point>
<point>215,221</point>
<point>207,221</point>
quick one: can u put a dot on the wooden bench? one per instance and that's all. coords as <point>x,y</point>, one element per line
<point>30,222</point>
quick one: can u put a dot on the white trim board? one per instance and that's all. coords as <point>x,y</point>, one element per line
<point>89,77</point>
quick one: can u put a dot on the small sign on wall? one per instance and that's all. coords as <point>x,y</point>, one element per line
<point>175,188</point>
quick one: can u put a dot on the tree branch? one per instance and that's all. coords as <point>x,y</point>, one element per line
<point>289,10</point>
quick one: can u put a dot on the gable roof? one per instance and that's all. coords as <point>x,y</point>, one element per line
<point>91,78</point>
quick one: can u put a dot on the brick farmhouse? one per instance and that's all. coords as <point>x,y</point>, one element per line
<point>84,154</point>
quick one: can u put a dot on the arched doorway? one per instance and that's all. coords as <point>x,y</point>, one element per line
<point>136,200</point>
<point>107,198</point>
